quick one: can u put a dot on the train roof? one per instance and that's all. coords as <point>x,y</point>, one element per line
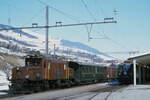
<point>86,64</point>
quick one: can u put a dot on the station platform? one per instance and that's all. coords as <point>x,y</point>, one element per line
<point>138,92</point>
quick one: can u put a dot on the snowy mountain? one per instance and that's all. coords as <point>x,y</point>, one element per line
<point>81,46</point>
<point>25,41</point>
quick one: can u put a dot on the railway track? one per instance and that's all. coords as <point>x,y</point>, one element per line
<point>92,93</point>
<point>107,89</point>
<point>10,95</point>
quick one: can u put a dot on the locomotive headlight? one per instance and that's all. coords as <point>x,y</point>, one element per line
<point>119,73</point>
<point>125,73</point>
<point>17,68</point>
<point>27,76</point>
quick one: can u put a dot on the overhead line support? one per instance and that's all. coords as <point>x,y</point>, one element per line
<point>55,26</point>
<point>46,37</point>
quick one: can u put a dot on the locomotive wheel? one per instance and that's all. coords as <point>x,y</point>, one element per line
<point>58,84</point>
<point>69,84</point>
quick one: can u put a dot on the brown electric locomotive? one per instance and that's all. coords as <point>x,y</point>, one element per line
<point>41,73</point>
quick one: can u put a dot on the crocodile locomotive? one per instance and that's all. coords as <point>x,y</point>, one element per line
<point>42,73</point>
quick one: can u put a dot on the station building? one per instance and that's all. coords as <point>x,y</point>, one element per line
<point>141,68</point>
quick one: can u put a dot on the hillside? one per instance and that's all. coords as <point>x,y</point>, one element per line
<point>25,41</point>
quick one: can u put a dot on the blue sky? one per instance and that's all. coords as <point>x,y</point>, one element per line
<point>131,33</point>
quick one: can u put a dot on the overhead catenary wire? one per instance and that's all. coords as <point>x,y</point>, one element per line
<point>122,46</point>
<point>73,18</point>
<point>89,31</point>
<point>87,8</point>
<point>104,35</point>
<point>61,12</point>
<point>101,12</point>
<point>101,8</point>
<point>9,15</point>
<point>110,39</point>
<point>65,14</point>
<point>34,16</point>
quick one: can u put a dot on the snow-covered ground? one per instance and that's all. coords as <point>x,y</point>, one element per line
<point>139,92</point>
<point>74,93</point>
<point>4,50</point>
<point>3,81</point>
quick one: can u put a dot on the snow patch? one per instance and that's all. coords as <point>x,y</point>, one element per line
<point>3,81</point>
<point>25,40</point>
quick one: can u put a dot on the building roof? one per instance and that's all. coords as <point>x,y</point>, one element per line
<point>141,59</point>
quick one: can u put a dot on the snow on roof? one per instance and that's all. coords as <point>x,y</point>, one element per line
<point>140,54</point>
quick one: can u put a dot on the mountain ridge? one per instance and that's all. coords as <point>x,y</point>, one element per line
<point>26,41</point>
<point>81,46</point>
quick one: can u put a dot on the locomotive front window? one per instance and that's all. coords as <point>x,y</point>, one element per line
<point>33,61</point>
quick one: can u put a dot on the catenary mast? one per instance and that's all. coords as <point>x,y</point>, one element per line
<point>46,36</point>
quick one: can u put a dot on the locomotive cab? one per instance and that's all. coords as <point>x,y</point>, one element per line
<point>26,76</point>
<point>123,75</point>
<point>31,71</point>
<point>29,62</point>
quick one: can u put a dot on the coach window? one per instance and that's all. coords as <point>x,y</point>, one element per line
<point>91,69</point>
<point>99,70</point>
<point>88,69</point>
<point>83,69</point>
<point>95,70</point>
